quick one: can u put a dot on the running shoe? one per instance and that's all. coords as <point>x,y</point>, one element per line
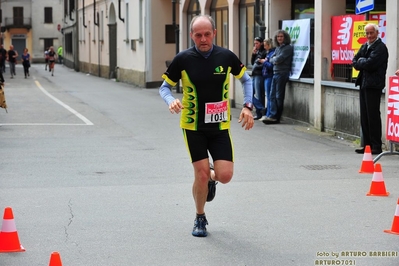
<point>200,224</point>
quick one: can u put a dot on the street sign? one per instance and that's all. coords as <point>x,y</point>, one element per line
<point>363,6</point>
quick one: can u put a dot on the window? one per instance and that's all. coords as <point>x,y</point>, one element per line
<point>71,5</point>
<point>68,43</point>
<point>170,34</point>
<point>249,28</point>
<point>47,44</point>
<point>18,16</point>
<point>48,15</point>
<point>219,12</point>
<point>192,11</point>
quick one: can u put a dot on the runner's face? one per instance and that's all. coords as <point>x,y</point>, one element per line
<point>202,34</point>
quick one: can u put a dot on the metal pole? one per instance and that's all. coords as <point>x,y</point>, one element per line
<point>176,34</point>
<point>175,26</point>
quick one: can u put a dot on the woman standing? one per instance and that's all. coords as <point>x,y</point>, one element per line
<point>282,61</point>
<point>267,73</point>
<point>26,62</point>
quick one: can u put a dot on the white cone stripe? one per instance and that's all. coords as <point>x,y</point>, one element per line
<point>367,157</point>
<point>397,210</point>
<point>377,177</point>
<point>8,226</point>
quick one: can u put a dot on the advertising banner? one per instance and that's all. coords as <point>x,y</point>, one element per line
<point>381,19</point>
<point>392,132</point>
<point>342,31</point>
<point>299,31</point>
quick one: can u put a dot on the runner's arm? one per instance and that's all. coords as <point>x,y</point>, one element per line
<point>166,93</point>
<point>246,82</point>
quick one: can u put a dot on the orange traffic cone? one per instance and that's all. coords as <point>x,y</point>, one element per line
<point>367,163</point>
<point>9,241</point>
<point>395,223</point>
<point>55,259</point>
<point>377,187</point>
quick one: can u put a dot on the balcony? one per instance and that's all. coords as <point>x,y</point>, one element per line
<point>18,22</point>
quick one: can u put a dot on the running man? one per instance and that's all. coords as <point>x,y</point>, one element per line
<point>205,110</point>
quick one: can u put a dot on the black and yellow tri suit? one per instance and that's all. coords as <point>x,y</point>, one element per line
<point>205,82</point>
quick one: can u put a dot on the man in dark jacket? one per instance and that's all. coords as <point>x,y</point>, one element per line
<point>3,56</point>
<point>372,61</point>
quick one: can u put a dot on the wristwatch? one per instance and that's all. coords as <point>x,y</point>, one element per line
<point>248,106</point>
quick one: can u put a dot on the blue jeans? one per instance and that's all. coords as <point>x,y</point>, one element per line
<point>268,87</point>
<point>259,88</point>
<point>277,94</point>
<point>258,106</point>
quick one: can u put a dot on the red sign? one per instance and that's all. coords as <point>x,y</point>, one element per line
<point>382,24</point>
<point>392,132</point>
<point>342,37</point>
<point>58,27</point>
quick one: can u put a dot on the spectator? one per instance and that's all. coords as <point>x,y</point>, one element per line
<point>3,56</point>
<point>372,61</point>
<point>60,53</point>
<point>258,53</point>
<point>267,73</point>
<point>282,61</point>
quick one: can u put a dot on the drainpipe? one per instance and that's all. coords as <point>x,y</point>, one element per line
<point>96,21</point>
<point>84,20</point>
<point>76,50</point>
<point>175,26</point>
<point>120,12</point>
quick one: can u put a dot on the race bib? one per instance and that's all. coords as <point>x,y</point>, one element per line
<point>216,112</point>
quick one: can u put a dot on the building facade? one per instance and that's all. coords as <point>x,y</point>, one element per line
<point>132,41</point>
<point>32,24</point>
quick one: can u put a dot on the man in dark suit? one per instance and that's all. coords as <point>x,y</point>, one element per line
<point>372,61</point>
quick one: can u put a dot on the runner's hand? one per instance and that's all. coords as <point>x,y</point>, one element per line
<point>175,106</point>
<point>247,118</point>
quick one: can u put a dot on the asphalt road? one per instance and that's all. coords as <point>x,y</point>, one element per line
<point>98,171</point>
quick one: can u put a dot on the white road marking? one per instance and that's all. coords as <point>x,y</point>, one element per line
<point>84,119</point>
<point>80,116</point>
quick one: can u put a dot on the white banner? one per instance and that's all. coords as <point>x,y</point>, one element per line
<point>299,30</point>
